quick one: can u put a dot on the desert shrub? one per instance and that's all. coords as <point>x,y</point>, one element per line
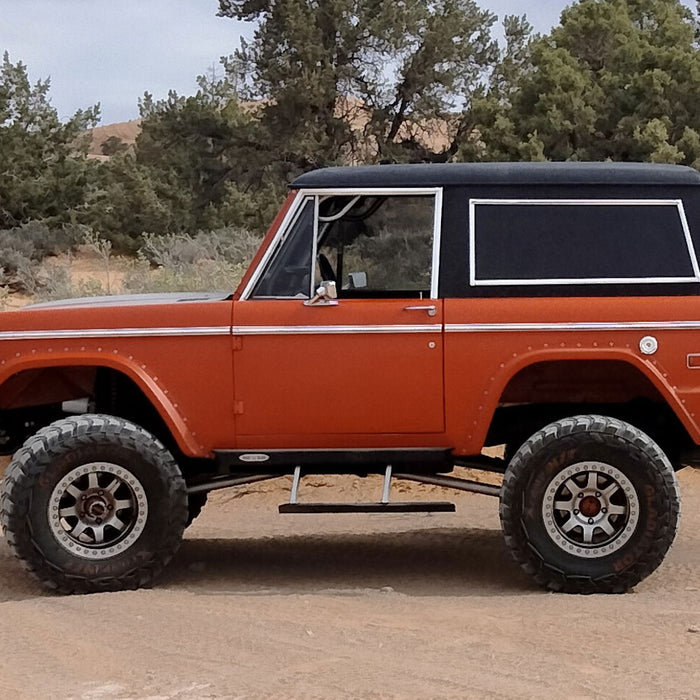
<point>19,267</point>
<point>47,241</point>
<point>23,248</point>
<point>207,261</point>
<point>227,244</point>
<point>204,275</point>
<point>238,245</point>
<point>213,260</point>
<point>56,283</point>
<point>5,293</point>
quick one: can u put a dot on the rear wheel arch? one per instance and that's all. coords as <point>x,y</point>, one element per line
<point>549,390</point>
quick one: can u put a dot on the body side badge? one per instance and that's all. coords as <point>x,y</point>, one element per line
<point>254,457</point>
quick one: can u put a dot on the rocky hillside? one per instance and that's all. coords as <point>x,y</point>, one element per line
<point>126,132</point>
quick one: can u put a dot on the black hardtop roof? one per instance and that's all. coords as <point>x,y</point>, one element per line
<point>445,174</point>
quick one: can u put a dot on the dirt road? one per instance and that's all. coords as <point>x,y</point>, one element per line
<point>259,605</point>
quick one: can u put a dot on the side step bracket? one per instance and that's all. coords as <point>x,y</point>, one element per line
<point>384,506</point>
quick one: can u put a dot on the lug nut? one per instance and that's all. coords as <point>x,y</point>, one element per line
<point>101,493</point>
<point>590,521</point>
<point>603,510</point>
<point>575,511</point>
<point>110,507</point>
<point>580,495</point>
<point>597,494</point>
<point>99,521</point>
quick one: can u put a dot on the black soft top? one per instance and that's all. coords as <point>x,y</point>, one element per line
<point>445,174</point>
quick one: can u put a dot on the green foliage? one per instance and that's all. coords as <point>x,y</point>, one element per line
<point>196,147</point>
<point>113,145</point>
<point>128,199</point>
<point>195,167</point>
<point>43,169</point>
<point>335,82</point>
<point>618,79</point>
<point>358,80</point>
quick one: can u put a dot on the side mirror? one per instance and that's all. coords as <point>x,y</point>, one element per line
<point>326,295</point>
<point>357,280</point>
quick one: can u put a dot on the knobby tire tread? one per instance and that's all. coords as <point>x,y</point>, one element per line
<point>34,457</point>
<point>548,575</point>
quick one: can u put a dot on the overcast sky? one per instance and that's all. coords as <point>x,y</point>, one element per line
<point>111,52</point>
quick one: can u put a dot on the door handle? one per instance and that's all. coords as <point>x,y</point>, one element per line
<point>432,310</point>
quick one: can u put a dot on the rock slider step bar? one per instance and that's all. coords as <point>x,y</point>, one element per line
<point>395,507</point>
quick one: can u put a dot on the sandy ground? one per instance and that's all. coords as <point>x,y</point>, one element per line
<point>261,605</point>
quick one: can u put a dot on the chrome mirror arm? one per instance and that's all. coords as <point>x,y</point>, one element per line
<point>326,295</point>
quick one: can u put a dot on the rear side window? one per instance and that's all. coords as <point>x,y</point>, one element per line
<point>535,242</point>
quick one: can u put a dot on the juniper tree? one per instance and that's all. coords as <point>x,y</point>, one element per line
<point>617,79</point>
<point>360,80</point>
<point>43,165</point>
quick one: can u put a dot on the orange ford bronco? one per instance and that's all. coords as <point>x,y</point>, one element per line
<point>396,320</point>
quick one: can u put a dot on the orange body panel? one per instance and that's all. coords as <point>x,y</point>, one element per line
<point>372,377</point>
<point>187,377</point>
<point>480,364</point>
<point>298,386</point>
<point>367,390</point>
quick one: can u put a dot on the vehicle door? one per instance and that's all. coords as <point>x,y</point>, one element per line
<point>369,362</point>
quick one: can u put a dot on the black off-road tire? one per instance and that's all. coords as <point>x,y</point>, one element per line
<point>58,459</point>
<point>535,529</point>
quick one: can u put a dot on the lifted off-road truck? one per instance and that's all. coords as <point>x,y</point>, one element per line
<point>397,320</point>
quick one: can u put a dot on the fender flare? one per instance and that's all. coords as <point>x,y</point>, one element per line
<point>154,393</point>
<point>649,368</point>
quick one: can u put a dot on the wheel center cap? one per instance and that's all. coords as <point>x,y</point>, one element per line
<point>590,506</point>
<point>96,508</point>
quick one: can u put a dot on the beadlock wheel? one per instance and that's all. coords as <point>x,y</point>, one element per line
<point>98,510</point>
<point>589,504</point>
<point>590,509</point>
<point>93,503</point>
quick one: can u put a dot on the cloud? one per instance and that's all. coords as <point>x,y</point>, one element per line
<point>101,51</point>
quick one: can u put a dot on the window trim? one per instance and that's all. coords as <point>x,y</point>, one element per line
<point>314,247</point>
<point>297,205</point>
<point>677,203</point>
<point>293,213</point>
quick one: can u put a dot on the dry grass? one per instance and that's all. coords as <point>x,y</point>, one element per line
<point>213,261</point>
